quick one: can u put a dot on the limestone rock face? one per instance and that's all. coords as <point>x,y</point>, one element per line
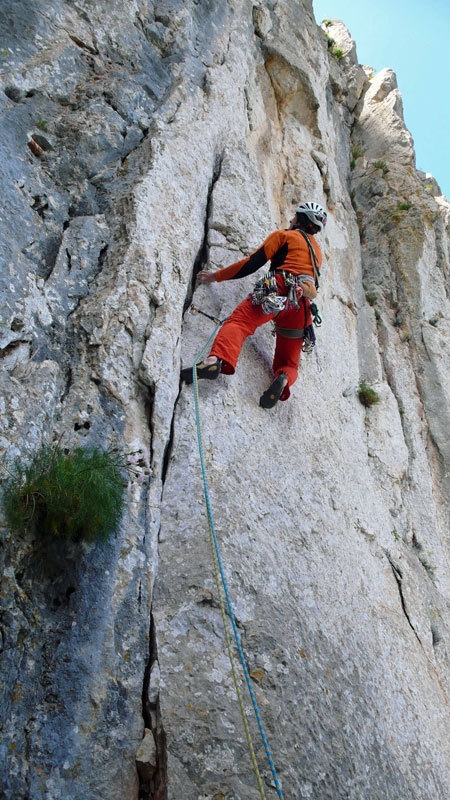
<point>140,144</point>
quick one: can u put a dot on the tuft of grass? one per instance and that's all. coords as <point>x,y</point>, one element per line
<point>371,298</point>
<point>404,206</point>
<point>338,53</point>
<point>327,22</point>
<point>77,495</point>
<point>356,153</point>
<point>367,396</point>
<point>381,165</point>
<point>42,124</point>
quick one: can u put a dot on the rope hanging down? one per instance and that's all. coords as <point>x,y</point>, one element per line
<point>226,606</point>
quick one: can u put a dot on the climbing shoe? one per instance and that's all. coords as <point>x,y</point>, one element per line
<point>271,396</point>
<point>209,371</point>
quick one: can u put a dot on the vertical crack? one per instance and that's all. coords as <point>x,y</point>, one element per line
<point>202,255</point>
<point>101,258</point>
<point>149,406</point>
<point>153,774</point>
<point>169,445</point>
<point>399,579</point>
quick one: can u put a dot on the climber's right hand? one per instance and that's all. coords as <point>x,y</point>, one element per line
<point>205,277</point>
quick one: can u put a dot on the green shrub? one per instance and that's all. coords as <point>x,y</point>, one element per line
<point>404,206</point>
<point>367,396</point>
<point>356,153</point>
<point>338,53</point>
<point>73,495</point>
<point>381,165</point>
<point>371,298</point>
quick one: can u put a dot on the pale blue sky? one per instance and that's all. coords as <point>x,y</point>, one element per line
<point>413,38</point>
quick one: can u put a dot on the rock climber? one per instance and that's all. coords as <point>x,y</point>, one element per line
<point>283,295</point>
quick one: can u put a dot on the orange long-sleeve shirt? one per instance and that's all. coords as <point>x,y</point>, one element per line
<point>286,249</point>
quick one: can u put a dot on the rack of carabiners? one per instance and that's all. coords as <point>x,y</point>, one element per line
<point>226,607</point>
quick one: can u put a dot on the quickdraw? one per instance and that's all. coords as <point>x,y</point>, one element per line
<point>266,293</point>
<point>317,319</point>
<point>266,286</point>
<point>274,303</point>
<point>309,340</point>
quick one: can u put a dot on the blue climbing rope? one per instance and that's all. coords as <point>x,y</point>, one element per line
<point>223,585</point>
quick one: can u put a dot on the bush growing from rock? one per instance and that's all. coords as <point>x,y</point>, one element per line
<point>338,53</point>
<point>367,396</point>
<point>72,495</point>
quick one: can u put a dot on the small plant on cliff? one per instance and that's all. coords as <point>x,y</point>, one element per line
<point>327,22</point>
<point>404,206</point>
<point>70,495</point>
<point>381,165</point>
<point>338,53</point>
<point>356,153</point>
<point>371,298</point>
<point>367,396</point>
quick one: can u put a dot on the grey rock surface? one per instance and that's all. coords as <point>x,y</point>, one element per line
<point>139,145</point>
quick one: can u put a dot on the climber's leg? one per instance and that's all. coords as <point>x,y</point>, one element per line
<point>243,322</point>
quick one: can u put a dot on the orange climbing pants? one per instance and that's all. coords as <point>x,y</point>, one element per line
<point>244,321</point>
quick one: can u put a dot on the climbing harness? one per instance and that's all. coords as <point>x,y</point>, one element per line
<point>226,606</point>
<point>264,288</point>
<point>274,303</point>
<point>289,333</point>
<point>266,294</point>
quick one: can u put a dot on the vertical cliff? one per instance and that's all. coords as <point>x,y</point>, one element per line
<point>140,144</point>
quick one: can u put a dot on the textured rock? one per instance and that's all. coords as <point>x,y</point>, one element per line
<point>138,146</point>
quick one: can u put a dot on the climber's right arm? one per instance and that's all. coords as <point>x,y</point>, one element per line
<point>246,266</point>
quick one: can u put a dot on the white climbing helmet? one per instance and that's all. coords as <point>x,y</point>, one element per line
<point>314,212</point>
